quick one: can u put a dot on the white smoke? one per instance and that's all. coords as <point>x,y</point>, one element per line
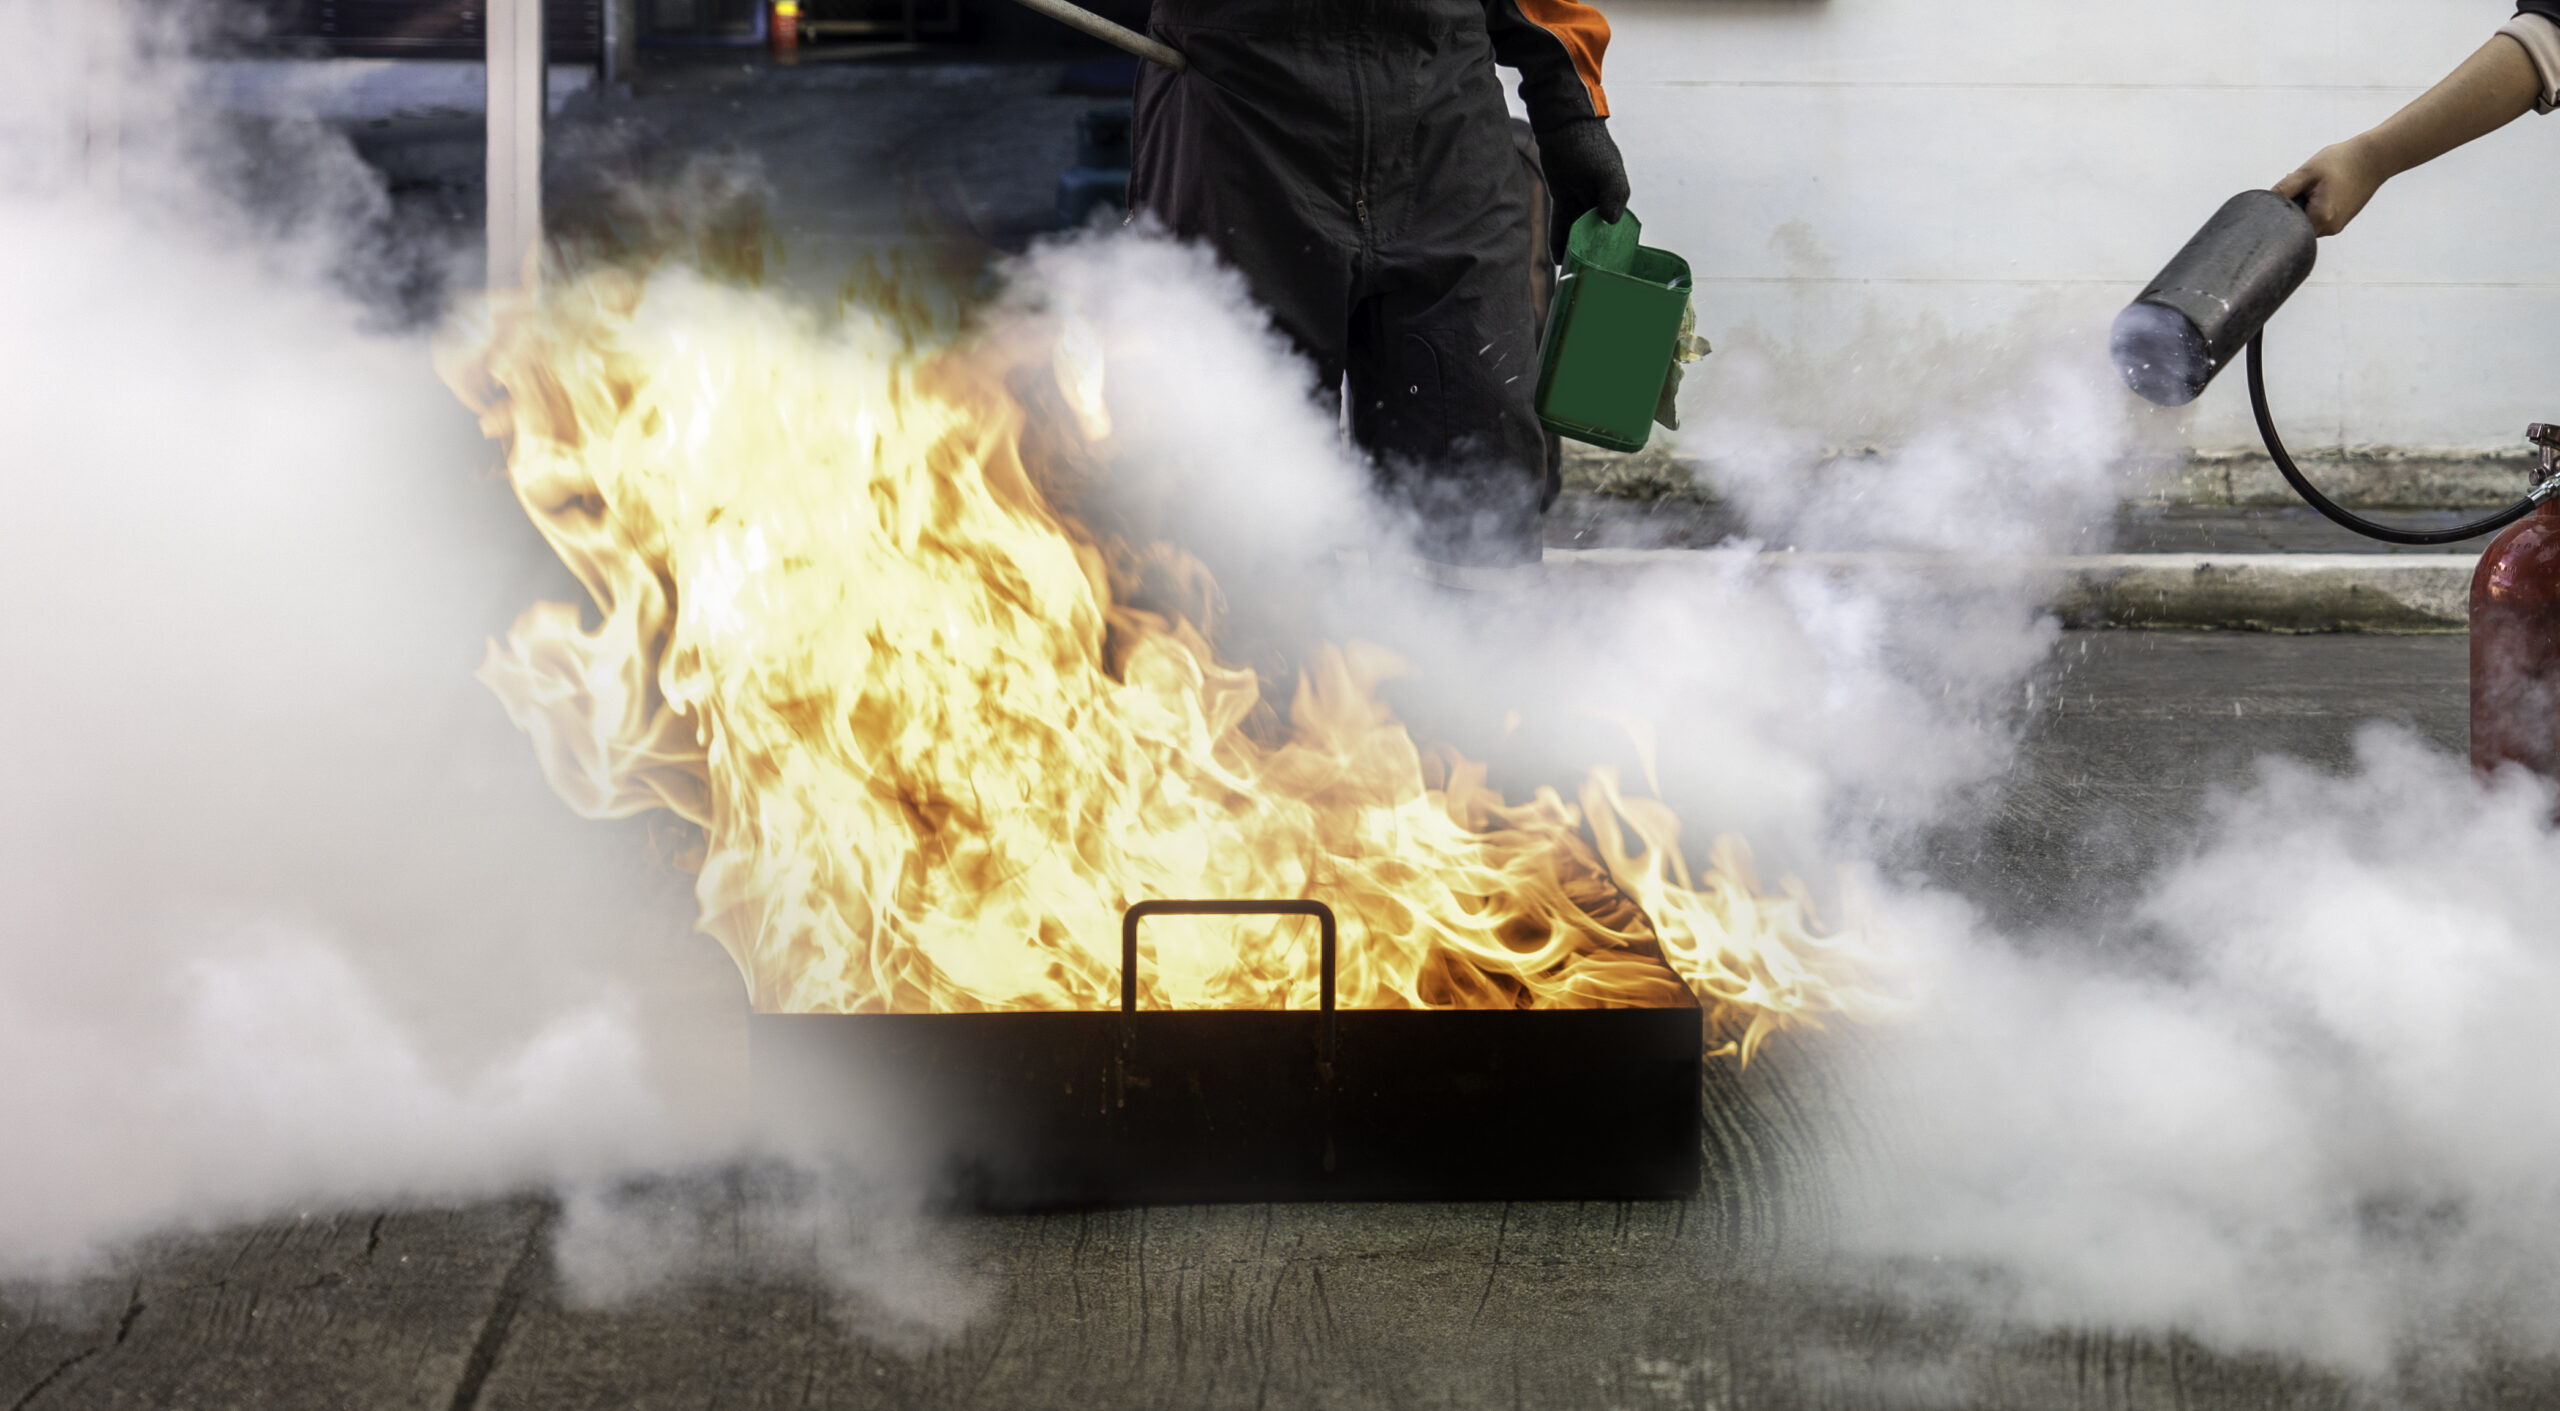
<point>1824,705</point>
<point>283,921</point>
<point>2310,1116</point>
<point>2303,1110</point>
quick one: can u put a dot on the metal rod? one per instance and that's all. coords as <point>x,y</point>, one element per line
<point>1118,36</point>
<point>515,112</point>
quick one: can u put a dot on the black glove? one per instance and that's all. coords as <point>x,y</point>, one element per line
<point>1583,174</point>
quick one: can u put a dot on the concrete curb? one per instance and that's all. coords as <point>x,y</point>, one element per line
<point>2236,592</point>
<point>2358,479</point>
<point>2270,592</point>
<point>2376,479</point>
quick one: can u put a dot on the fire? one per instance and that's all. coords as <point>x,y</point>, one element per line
<point>933,754</point>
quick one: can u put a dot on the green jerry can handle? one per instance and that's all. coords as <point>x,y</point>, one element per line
<point>1594,243</point>
<point>1616,332</point>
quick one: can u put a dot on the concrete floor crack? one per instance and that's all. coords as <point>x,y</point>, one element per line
<point>500,1324</point>
<point>1500,1233</point>
<point>124,1329</point>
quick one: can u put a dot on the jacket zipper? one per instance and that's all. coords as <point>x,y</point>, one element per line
<point>1360,101</point>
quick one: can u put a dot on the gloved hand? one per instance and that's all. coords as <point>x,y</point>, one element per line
<point>1583,173</point>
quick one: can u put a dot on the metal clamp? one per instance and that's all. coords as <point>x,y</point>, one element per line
<point>2546,473</point>
<point>1326,932</point>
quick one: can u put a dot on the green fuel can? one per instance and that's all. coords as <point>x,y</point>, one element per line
<point>1615,335</point>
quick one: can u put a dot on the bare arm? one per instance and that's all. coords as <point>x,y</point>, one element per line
<point>2493,87</point>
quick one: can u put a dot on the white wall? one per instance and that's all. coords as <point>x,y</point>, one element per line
<point>1902,201</point>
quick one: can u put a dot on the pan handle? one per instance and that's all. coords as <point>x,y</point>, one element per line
<point>1141,911</point>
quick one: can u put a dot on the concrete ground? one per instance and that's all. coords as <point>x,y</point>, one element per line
<point>1721,1301</point>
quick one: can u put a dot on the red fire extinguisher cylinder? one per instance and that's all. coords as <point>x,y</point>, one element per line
<point>2515,635</point>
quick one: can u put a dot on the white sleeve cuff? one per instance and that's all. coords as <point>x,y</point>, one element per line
<point>2541,40</point>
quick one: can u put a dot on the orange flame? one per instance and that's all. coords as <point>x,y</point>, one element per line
<point>932,756</point>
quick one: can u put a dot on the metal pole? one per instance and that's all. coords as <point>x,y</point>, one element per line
<point>621,44</point>
<point>1077,17</point>
<point>515,113</point>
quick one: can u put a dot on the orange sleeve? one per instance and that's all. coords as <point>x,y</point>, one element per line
<point>1556,45</point>
<point>1584,33</point>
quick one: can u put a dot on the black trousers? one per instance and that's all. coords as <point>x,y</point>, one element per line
<point>1354,160</point>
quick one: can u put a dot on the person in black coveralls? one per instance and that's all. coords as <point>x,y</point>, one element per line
<point>1355,161</point>
<point>2516,72</point>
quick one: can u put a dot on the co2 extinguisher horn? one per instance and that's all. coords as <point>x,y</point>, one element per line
<point>2215,298</point>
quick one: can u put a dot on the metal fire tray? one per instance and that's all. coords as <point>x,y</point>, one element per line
<point>1045,1109</point>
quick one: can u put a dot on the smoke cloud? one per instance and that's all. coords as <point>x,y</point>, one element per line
<point>283,921</point>
<point>2305,1115</point>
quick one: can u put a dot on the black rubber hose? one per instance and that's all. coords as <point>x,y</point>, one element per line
<point>2369,528</point>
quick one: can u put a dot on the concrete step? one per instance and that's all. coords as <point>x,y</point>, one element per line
<point>2410,592</point>
<point>2281,529</point>
<point>2367,478</point>
<point>1593,521</point>
<point>2398,592</point>
<point>2274,568</point>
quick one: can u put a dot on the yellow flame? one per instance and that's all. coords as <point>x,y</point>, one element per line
<point>933,756</point>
